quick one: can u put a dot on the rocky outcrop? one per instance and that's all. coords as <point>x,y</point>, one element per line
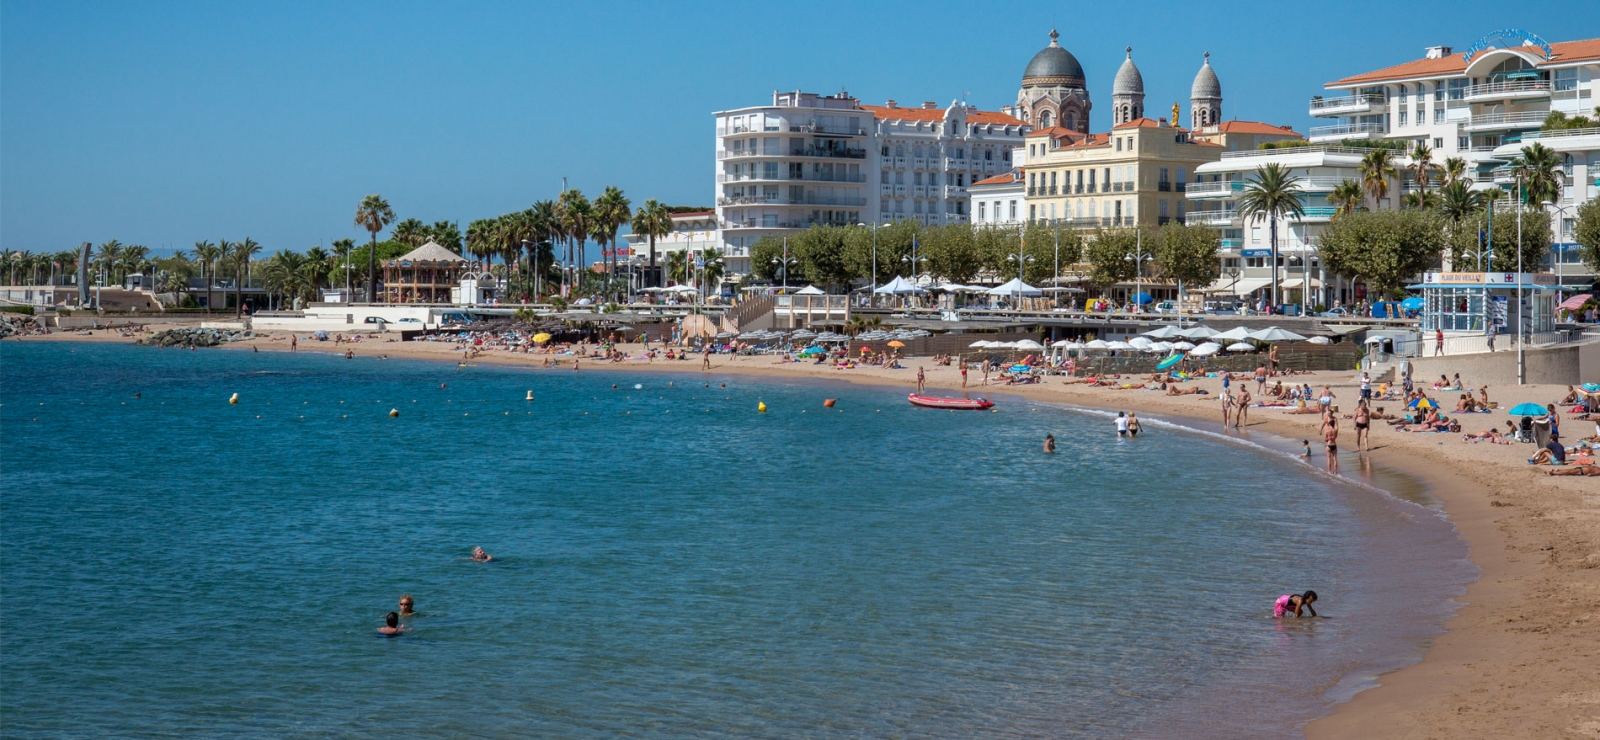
<point>189,336</point>
<point>19,323</point>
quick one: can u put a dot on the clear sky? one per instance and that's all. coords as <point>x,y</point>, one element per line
<point>165,123</point>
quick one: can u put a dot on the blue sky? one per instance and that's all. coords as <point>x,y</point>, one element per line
<point>166,123</point>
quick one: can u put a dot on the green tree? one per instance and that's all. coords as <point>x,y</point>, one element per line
<point>952,252</point>
<point>1457,200</point>
<point>410,231</point>
<point>446,234</point>
<point>1110,256</point>
<point>1587,232</point>
<point>207,254</point>
<point>763,255</point>
<point>821,251</point>
<point>1272,194</point>
<point>1455,170</point>
<point>1188,254</point>
<point>1384,248</point>
<point>1422,199</point>
<point>1421,165</point>
<point>652,221</point>
<point>611,210</point>
<point>1470,236</point>
<point>1347,196</point>
<point>342,249</point>
<point>1539,168</point>
<point>373,214</point>
<point>1376,170</point>
<point>240,257</point>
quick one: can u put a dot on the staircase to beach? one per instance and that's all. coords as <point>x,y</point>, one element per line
<point>743,316</point>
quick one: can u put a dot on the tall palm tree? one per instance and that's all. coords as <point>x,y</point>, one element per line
<point>652,221</point>
<point>206,254</point>
<point>341,254</point>
<point>1348,196</point>
<point>678,266</point>
<point>373,214</point>
<point>1457,200</point>
<point>130,258</point>
<point>1421,165</point>
<point>240,256</point>
<point>105,258</point>
<point>1377,169</point>
<point>315,272</point>
<point>24,260</point>
<point>612,210</point>
<point>1455,170</point>
<point>1540,169</point>
<point>65,261</point>
<point>1422,199</point>
<point>575,215</point>
<point>411,232</point>
<point>1273,194</point>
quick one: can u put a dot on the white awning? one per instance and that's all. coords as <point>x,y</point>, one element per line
<point>1244,286</point>
<point>1295,284</point>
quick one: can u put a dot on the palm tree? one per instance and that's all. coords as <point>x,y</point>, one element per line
<point>575,215</point>
<point>1422,199</point>
<point>373,214</point>
<point>1272,194</point>
<point>411,232</point>
<point>652,221</point>
<point>1348,196</point>
<point>130,257</point>
<point>341,252</point>
<point>1457,200</point>
<point>1377,169</point>
<point>240,256</point>
<point>206,254</point>
<point>318,264</point>
<point>1421,165</point>
<point>1455,170</point>
<point>105,258</point>
<point>612,209</point>
<point>714,268</point>
<point>1539,168</point>
<point>677,266</point>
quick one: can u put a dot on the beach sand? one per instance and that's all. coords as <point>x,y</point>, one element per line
<point>1521,658</point>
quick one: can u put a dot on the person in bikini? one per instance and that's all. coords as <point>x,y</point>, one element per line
<point>1330,432</point>
<point>1363,422</point>
<point>1295,603</point>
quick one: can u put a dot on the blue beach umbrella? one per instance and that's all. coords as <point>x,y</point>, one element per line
<point>1142,298</point>
<point>1592,387</point>
<point>1413,303</point>
<point>1527,409</point>
<point>1423,402</point>
<point>1170,361</point>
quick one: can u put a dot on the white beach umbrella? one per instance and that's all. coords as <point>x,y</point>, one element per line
<point>1241,347</point>
<point>981,343</point>
<point>1206,350</point>
<point>1065,344</point>
<point>1165,332</point>
<point>1199,332</point>
<point>1183,345</point>
<point>1029,344</point>
<point>1095,344</point>
<point>1161,347</point>
<point>1274,334</point>
<point>1118,345</point>
<point>1141,342</point>
<point>1235,334</point>
<point>1320,340</point>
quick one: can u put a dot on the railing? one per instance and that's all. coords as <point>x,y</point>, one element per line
<point>1211,218</point>
<point>834,130</point>
<point>1560,133</point>
<point>1317,213</point>
<point>818,151</point>
<point>1346,129</point>
<point>747,200</point>
<point>1321,106</point>
<point>1499,89</point>
<point>1496,120</point>
<point>1322,148</point>
<point>1232,244</point>
<point>785,177</point>
<point>1224,187</point>
<point>1164,186</point>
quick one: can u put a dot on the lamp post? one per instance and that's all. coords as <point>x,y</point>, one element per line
<point>1521,338</point>
<point>872,295</point>
<point>785,263</point>
<point>1555,255</point>
<point>1138,257</point>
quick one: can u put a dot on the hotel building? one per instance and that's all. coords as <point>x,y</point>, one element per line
<point>810,159</point>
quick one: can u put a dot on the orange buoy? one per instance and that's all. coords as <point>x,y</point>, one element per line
<point>827,403</point>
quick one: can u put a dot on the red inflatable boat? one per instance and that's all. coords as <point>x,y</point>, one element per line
<point>936,402</point>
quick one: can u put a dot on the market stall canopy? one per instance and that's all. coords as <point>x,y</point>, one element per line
<point>1016,288</point>
<point>1274,334</point>
<point>1414,303</point>
<point>810,290</point>
<point>898,286</point>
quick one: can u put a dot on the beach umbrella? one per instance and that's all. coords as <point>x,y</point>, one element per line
<point>1141,342</point>
<point>1241,347</point>
<point>1029,344</point>
<point>541,337</point>
<point>1118,345</point>
<point>1169,362</point>
<point>1095,344</point>
<point>1185,346</point>
<point>1165,332</point>
<point>1199,332</point>
<point>1423,402</point>
<point>981,343</point>
<point>897,344</point>
<point>321,334</point>
<point>1591,387</point>
<point>1235,334</point>
<point>1274,334</point>
<point>1207,349</point>
<point>1015,288</point>
<point>1065,344</point>
<point>1142,298</point>
<point>1527,409</point>
<point>1414,303</point>
<point>1320,340</point>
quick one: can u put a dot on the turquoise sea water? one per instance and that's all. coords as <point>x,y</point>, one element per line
<point>669,563</point>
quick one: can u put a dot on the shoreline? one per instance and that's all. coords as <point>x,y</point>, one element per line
<point>1517,658</point>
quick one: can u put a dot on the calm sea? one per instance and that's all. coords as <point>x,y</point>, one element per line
<point>669,562</point>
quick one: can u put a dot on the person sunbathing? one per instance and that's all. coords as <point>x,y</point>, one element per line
<point>1465,404</point>
<point>1301,407</point>
<point>1489,435</point>
<point>1583,469</point>
<point>1174,390</point>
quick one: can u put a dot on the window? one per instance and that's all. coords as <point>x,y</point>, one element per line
<point>1402,118</point>
<point>1119,143</point>
<point>1405,93</point>
<point>933,179</point>
<point>916,179</point>
<point>1566,79</point>
<point>1458,88</point>
<point>1438,142</point>
<point>1438,93</point>
<point>982,209</point>
<point>916,206</point>
<point>1183,174</point>
<point>1013,210</point>
<point>1052,183</point>
<point>1163,209</point>
<point>899,178</point>
<point>884,176</point>
<point>1181,205</point>
<point>883,206</point>
<point>900,206</point>
<point>1052,211</point>
<point>1032,210</point>
<point>1255,234</point>
<point>1438,114</point>
<point>1463,143</point>
<point>961,208</point>
<point>769,145</point>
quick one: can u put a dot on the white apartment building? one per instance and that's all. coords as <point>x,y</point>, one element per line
<point>811,159</point>
<point>1001,200</point>
<point>695,232</point>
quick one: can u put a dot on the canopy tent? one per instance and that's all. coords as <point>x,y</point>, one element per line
<point>1274,334</point>
<point>810,290</point>
<point>1015,288</point>
<point>898,286</point>
<point>1295,283</point>
<point>1063,290</point>
<point>1240,287</point>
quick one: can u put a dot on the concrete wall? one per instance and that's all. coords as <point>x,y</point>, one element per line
<point>1568,364</point>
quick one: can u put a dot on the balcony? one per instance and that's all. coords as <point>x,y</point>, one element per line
<point>886,189</point>
<point>920,191</point>
<point>1320,183</point>
<point>1346,131</point>
<point>1224,217</point>
<point>745,200</point>
<point>828,130</point>
<point>838,201</point>
<point>1346,106</point>
<point>898,162</point>
<point>1500,121</point>
<point>1223,190</point>
<point>1164,186</point>
<point>1509,90</point>
<point>1232,244</point>
<point>741,153</point>
<point>919,163</point>
<point>1317,214</point>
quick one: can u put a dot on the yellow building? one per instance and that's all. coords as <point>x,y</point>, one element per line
<point>1134,174</point>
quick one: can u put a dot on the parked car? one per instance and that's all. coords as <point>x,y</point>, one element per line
<point>374,320</point>
<point>1223,307</point>
<point>409,320</point>
<point>1165,307</point>
<point>1334,313</point>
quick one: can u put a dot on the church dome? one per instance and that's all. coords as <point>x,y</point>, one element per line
<point>1129,81</point>
<point>1053,65</point>
<point>1206,84</point>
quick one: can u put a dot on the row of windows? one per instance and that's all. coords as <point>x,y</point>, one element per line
<point>917,206</point>
<point>997,208</point>
<point>959,179</point>
<point>1047,182</point>
<point>933,151</point>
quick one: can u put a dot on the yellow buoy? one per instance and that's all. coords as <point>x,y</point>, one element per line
<point>234,399</point>
<point>761,406</point>
<point>530,396</point>
<point>394,412</point>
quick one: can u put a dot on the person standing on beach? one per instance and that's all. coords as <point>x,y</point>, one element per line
<point>1261,379</point>
<point>1243,414</point>
<point>705,362</point>
<point>1363,421</point>
<point>1272,359</point>
<point>1227,408</point>
<point>963,374</point>
<point>1366,386</point>
<point>985,371</point>
<point>922,380</point>
<point>294,343</point>
<point>1330,431</point>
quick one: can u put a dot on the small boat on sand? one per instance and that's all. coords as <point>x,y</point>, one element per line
<point>937,402</point>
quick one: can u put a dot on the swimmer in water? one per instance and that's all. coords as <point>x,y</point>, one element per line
<point>1307,444</point>
<point>480,556</point>
<point>407,606</point>
<point>391,625</point>
<point>1295,603</point>
<point>1049,443</point>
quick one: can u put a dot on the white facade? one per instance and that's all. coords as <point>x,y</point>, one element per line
<point>692,232</point>
<point>810,159</point>
<point>1000,200</point>
<point>1579,150</point>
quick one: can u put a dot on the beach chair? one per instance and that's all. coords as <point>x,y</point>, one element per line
<point>1525,431</point>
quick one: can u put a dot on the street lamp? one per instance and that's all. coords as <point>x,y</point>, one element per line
<point>1138,257</point>
<point>872,295</point>
<point>1555,255</point>
<point>784,263</point>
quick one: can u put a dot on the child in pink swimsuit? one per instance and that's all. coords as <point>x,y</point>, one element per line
<point>1294,602</point>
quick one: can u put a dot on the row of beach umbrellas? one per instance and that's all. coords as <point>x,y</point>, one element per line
<point>1238,333</point>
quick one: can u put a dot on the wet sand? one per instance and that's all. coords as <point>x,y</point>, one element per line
<point>1522,657</point>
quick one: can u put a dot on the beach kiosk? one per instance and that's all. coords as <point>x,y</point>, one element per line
<point>1467,304</point>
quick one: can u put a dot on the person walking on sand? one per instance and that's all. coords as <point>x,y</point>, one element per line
<point>1272,359</point>
<point>1363,422</point>
<point>705,361</point>
<point>1243,413</point>
<point>963,374</point>
<point>922,380</point>
<point>1438,342</point>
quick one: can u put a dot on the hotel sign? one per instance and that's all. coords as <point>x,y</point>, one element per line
<point>1516,36</point>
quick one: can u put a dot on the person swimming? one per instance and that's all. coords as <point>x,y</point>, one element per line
<point>1294,603</point>
<point>407,605</point>
<point>480,556</point>
<point>1049,443</point>
<point>391,625</point>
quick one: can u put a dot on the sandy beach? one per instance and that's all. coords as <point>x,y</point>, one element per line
<point>1522,656</point>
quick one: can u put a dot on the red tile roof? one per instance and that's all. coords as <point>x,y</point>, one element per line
<point>1053,131</point>
<point>937,114</point>
<point>1450,64</point>
<point>1146,123</point>
<point>1254,127</point>
<point>1005,179</point>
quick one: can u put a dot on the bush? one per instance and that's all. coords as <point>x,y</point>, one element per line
<point>17,309</point>
<point>558,303</point>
